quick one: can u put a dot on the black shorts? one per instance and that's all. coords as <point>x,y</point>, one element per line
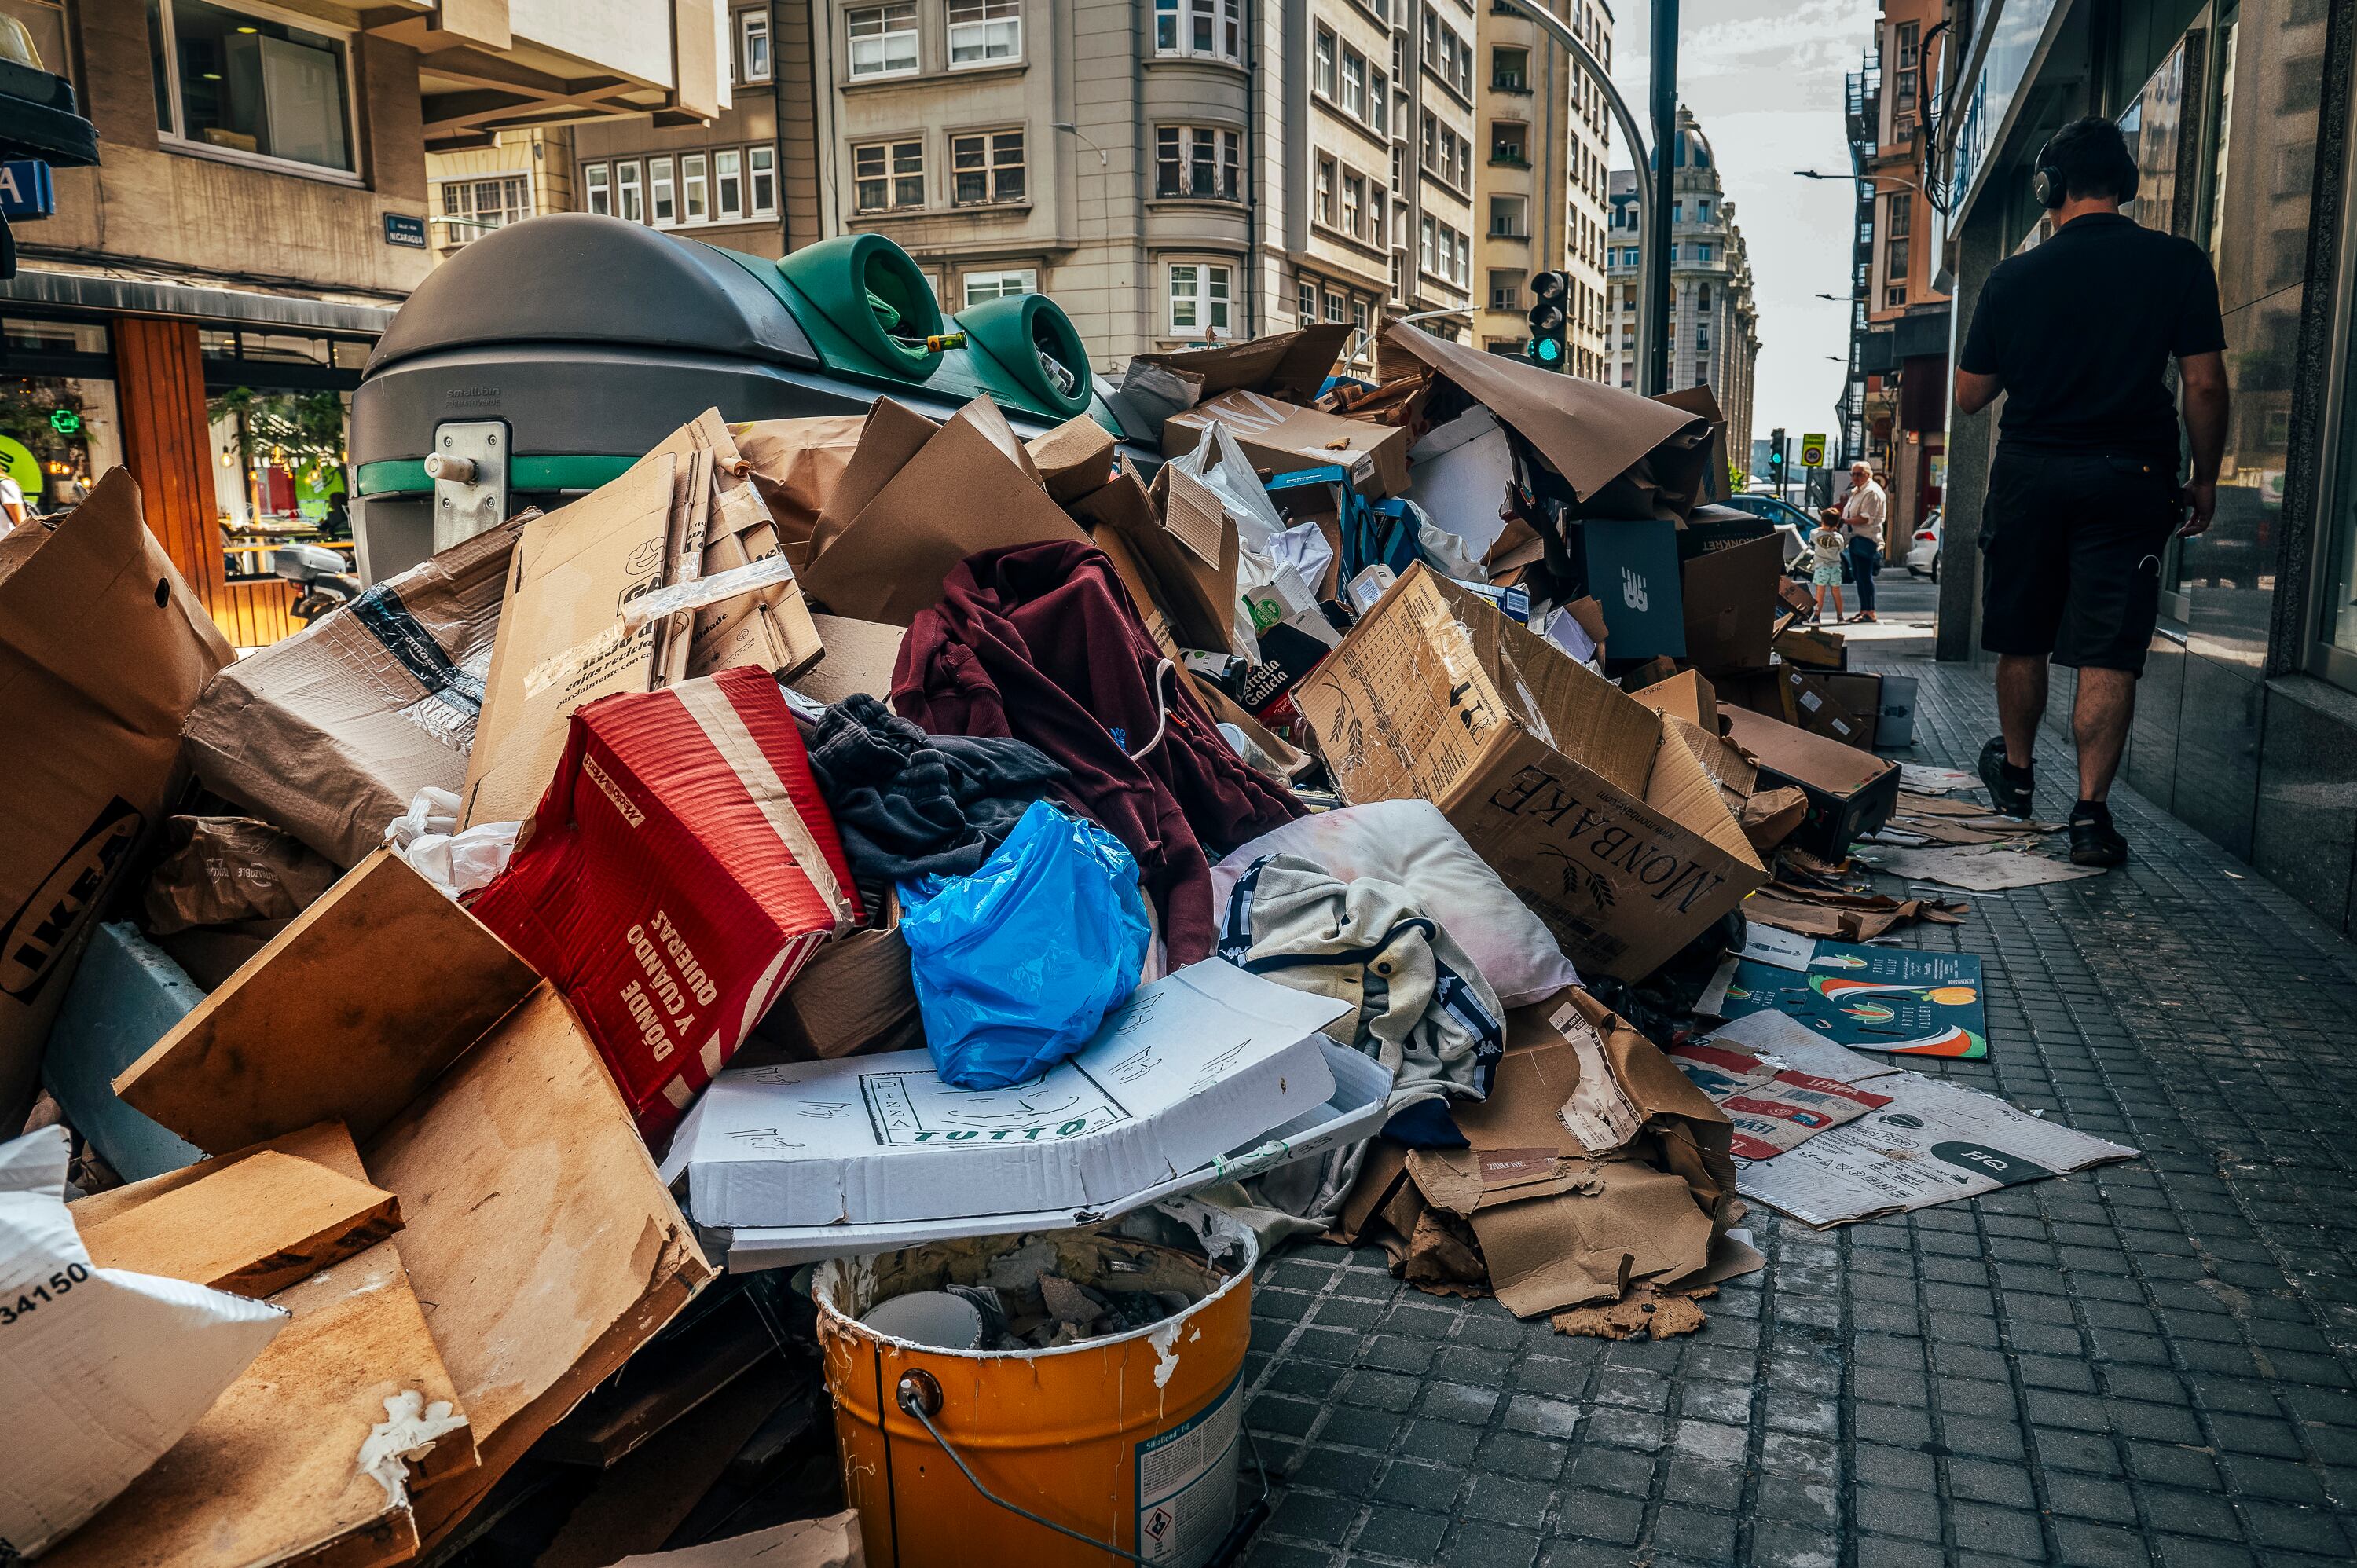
<point>2073,545</point>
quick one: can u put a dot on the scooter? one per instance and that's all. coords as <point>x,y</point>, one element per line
<point>320,573</point>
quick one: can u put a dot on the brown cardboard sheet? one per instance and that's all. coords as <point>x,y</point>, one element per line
<point>1284,438</point>
<point>796,464</point>
<point>1074,459</point>
<point>254,1228</point>
<point>1290,365</point>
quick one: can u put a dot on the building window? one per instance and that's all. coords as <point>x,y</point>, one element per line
<point>1702,253</point>
<point>1702,211</point>
<point>472,207</point>
<point>761,168</point>
<point>626,187</point>
<point>1333,306</point>
<point>1359,344</point>
<point>597,183</point>
<point>1197,160</point>
<point>1510,71</point>
<point>247,85</point>
<point>1505,291</point>
<point>1324,56</point>
<point>986,169</point>
<point>1509,142</point>
<point>1379,101</point>
<point>729,186</point>
<point>1905,74</point>
<point>883,39</point>
<point>888,175</point>
<point>753,46</point>
<point>1355,84</point>
<point>1354,204</point>
<point>980,286</point>
<point>1200,299</point>
<point>986,32</point>
<point>1510,216</point>
<point>1325,181</point>
<point>1430,256</point>
<point>1211,29</point>
<point>1307,299</point>
<point>658,193</point>
<point>694,207</point>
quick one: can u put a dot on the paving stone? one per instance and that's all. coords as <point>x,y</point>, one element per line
<point>1479,1545</point>
<point>1600,1516</point>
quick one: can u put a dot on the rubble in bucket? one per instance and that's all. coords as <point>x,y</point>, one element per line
<point>1264,806</point>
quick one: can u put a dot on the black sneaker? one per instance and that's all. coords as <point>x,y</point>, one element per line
<point>2094,840</point>
<point>2008,786</point>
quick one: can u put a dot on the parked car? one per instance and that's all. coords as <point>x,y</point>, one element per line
<point>1793,526</point>
<point>1924,550</point>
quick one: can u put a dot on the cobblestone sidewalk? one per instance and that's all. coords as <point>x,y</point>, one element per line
<point>2149,1363</point>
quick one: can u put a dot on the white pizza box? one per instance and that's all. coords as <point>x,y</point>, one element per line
<point>1200,1062</point>
<point>1357,1111</point>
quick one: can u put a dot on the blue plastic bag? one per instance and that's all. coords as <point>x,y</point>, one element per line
<point>1016,965</point>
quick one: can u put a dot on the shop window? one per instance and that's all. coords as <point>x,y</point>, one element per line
<point>1205,29</point>
<point>987,168</point>
<point>598,188</point>
<point>887,176</point>
<point>980,286</point>
<point>252,86</point>
<point>1201,302</point>
<point>695,204</point>
<point>883,40</point>
<point>471,208</point>
<point>762,179</point>
<point>986,32</point>
<point>659,198</point>
<point>729,186</point>
<point>753,46</point>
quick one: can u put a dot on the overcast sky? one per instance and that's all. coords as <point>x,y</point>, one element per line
<point>1764,80</point>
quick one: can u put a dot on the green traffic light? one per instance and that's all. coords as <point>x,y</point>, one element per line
<point>1549,349</point>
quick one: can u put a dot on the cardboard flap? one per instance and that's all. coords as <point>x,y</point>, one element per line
<point>797,465</point>
<point>892,435</point>
<point>1073,459</point>
<point>1681,789</point>
<point>1813,759</point>
<point>345,1017</point>
<point>1193,584</point>
<point>1467,1181</point>
<point>1197,519</point>
<point>1287,364</point>
<point>1590,433</point>
<point>253,1228</point>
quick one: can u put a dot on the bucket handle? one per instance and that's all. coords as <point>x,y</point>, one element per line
<point>918,1394</point>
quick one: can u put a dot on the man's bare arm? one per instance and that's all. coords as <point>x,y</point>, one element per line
<point>2203,378</point>
<point>1976,391</point>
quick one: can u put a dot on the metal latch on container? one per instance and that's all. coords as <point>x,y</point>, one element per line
<point>469,466</point>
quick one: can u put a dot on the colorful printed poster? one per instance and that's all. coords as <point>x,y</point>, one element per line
<point>1896,1000</point>
<point>1773,1108</point>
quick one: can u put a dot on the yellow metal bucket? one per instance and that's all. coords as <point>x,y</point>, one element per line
<point>1121,1449</point>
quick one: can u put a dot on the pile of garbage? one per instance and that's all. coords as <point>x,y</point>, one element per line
<point>868,838</point>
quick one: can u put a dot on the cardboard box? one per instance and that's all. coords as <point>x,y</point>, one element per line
<point>860,656</point>
<point>1894,727</point>
<point>1810,704</point>
<point>1860,694</point>
<point>533,1219</point>
<point>854,991</point>
<point>1851,792</point>
<point>917,499</point>
<point>1579,797</point>
<point>1633,572</point>
<point>1197,1063</point>
<point>1356,1111</point>
<point>1284,438</point>
<point>332,732</point>
<point>1074,459</point>
<point>103,650</point>
<point>1185,545</point>
<point>1729,601</point>
<point>795,464</point>
<point>1814,646</point>
<point>679,872</point>
<point>1289,365</point>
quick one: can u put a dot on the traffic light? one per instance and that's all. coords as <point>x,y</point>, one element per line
<point>1776,458</point>
<point>1549,293</point>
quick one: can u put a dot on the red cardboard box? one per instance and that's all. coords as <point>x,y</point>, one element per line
<point>678,873</point>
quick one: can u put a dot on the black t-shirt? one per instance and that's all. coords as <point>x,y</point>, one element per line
<point>2080,330</point>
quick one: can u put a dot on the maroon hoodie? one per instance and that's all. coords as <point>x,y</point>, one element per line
<point>1040,642</point>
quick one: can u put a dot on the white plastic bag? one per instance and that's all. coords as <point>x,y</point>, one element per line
<point>458,863</point>
<point>101,1370</point>
<point>1221,464</point>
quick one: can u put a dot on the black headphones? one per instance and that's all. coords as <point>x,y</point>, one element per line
<point>2052,189</point>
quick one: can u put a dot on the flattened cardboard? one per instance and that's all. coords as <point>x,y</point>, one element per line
<point>332,732</point>
<point>1582,799</point>
<point>1851,792</point>
<point>1590,433</point>
<point>251,1229</point>
<point>1190,1067</point>
<point>1283,438</point>
<point>1290,365</point>
<point>339,1051</point>
<point>859,658</point>
<point>270,1472</point>
<point>969,487</point>
<point>1073,459</point>
<point>103,650</point>
<point>1730,605</point>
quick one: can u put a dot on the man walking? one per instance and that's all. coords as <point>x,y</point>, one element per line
<point>2077,333</point>
<point>1863,512</point>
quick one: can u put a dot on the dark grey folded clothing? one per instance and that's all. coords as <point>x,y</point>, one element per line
<point>910,804</point>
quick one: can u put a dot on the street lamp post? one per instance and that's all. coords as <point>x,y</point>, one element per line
<point>1665,132</point>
